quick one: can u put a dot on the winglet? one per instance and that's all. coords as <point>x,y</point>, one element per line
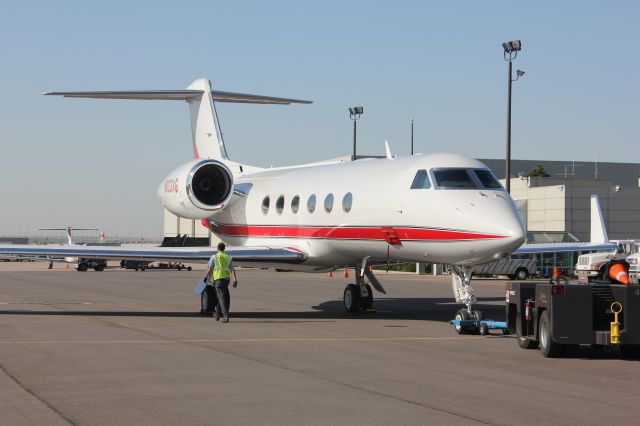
<point>598,229</point>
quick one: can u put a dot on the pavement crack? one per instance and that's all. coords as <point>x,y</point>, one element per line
<point>35,395</point>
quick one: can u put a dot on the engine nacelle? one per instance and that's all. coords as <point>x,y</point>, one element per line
<point>197,189</point>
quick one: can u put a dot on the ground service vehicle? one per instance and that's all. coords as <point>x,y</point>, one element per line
<point>590,264</point>
<point>633,260</point>
<point>558,317</point>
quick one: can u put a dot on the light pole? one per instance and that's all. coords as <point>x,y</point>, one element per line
<point>354,114</point>
<point>511,50</point>
<point>412,136</point>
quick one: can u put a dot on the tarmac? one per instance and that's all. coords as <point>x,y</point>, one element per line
<point>126,347</point>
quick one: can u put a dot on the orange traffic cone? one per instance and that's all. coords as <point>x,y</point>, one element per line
<point>330,274</point>
<point>618,273</point>
<point>345,274</point>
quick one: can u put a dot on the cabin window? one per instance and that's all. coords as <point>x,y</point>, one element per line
<point>453,179</point>
<point>265,205</point>
<point>487,179</point>
<point>347,200</point>
<point>311,203</point>
<point>328,203</point>
<point>421,181</point>
<point>280,204</point>
<point>295,204</point>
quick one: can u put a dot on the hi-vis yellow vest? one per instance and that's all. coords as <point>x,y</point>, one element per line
<point>221,262</point>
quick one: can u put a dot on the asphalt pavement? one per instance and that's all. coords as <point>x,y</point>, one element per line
<point>125,347</point>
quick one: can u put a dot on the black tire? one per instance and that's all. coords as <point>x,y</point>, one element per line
<point>351,298</point>
<point>189,268</point>
<point>548,347</point>
<point>523,341</point>
<point>484,329</point>
<point>143,267</point>
<point>366,302</point>
<point>478,314</point>
<point>98,268</point>
<point>630,351</point>
<point>208,300</point>
<point>462,315</point>
<point>82,267</point>
<point>522,274</point>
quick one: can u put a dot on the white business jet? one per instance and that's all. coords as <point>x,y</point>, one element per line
<point>439,208</point>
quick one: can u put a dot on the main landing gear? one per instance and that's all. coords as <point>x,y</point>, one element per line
<point>358,297</point>
<point>463,293</point>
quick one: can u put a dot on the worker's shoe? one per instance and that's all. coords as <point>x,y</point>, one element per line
<point>225,319</point>
<point>216,315</point>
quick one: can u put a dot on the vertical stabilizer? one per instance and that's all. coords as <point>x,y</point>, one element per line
<point>598,229</point>
<point>205,128</point>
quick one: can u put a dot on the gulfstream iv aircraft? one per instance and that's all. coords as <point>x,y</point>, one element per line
<point>439,208</point>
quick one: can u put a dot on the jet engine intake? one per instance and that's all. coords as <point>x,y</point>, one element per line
<point>209,185</point>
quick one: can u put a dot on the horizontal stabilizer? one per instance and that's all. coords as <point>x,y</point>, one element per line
<point>180,95</point>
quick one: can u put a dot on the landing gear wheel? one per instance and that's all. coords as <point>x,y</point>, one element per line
<point>484,329</point>
<point>523,341</point>
<point>351,298</point>
<point>82,267</point>
<point>366,302</point>
<point>548,347</point>
<point>208,300</point>
<point>478,315</point>
<point>462,315</point>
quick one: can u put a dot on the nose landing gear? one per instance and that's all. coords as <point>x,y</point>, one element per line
<point>463,293</point>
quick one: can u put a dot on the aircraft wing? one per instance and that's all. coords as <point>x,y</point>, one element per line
<point>245,256</point>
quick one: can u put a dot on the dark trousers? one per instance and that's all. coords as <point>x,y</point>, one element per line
<point>222,291</point>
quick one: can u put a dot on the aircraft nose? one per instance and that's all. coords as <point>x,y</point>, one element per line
<point>508,223</point>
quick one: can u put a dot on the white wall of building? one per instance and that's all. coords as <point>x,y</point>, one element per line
<point>558,204</point>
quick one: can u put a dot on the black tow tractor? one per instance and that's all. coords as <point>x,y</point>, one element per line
<point>558,316</point>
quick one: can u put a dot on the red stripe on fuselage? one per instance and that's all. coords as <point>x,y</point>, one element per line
<point>351,233</point>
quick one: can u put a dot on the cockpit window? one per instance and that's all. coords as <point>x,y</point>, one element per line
<point>421,181</point>
<point>487,179</point>
<point>453,179</point>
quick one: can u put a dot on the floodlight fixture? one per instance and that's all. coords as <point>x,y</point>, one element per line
<point>354,114</point>
<point>512,46</point>
<point>519,73</point>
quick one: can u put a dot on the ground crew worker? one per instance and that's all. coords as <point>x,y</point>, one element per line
<point>219,275</point>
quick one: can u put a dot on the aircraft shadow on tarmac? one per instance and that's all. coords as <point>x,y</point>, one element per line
<point>425,309</point>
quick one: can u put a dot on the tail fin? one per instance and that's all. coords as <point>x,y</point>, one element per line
<point>68,230</point>
<point>598,229</point>
<point>205,128</point>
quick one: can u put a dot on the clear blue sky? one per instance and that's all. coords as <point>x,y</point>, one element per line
<point>89,162</point>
